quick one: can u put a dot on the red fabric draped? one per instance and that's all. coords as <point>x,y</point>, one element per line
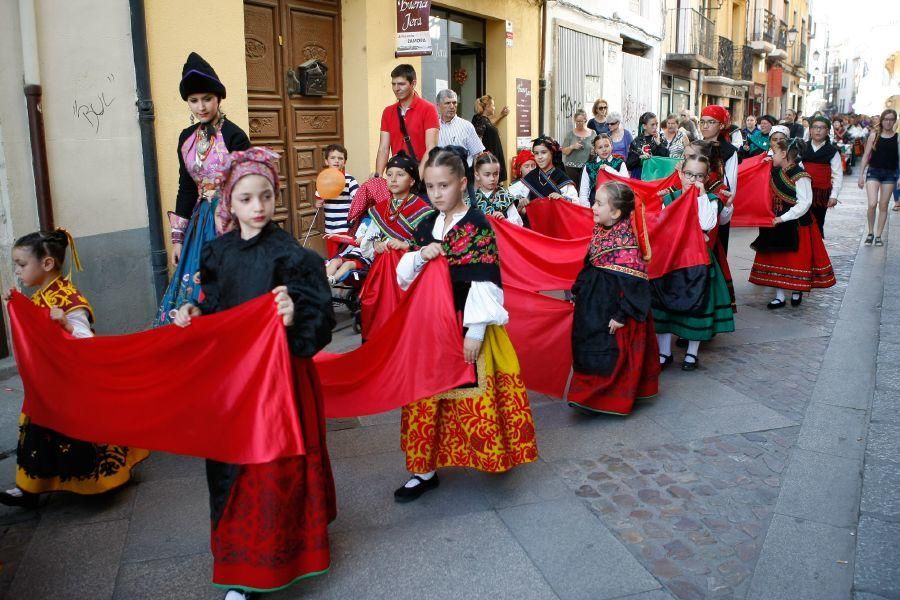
<point>753,200</point>
<point>676,240</point>
<point>417,353</point>
<point>646,191</point>
<point>560,218</point>
<point>532,261</point>
<point>820,174</point>
<point>540,328</point>
<point>380,295</point>
<point>219,389</point>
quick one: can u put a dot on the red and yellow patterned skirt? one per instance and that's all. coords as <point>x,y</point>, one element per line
<point>488,427</point>
<point>801,270</point>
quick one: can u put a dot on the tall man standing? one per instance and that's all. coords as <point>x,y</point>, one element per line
<point>456,131</point>
<point>411,124</point>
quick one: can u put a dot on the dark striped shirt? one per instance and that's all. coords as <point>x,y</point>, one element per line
<point>336,209</point>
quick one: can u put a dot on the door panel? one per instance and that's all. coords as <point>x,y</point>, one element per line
<point>280,35</point>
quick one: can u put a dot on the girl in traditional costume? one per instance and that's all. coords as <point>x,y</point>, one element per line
<point>490,197</point>
<point>790,255</point>
<point>714,314</point>
<point>549,180</point>
<point>486,425</point>
<point>48,461</point>
<point>601,158</point>
<point>202,148</point>
<point>614,345</point>
<point>269,521</point>
<point>647,144</point>
<point>395,218</point>
<point>822,160</point>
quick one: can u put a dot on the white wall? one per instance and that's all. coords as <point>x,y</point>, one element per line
<point>93,139</point>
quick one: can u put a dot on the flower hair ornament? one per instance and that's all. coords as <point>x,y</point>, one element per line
<point>257,160</point>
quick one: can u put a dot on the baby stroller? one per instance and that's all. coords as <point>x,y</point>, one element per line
<point>347,287</point>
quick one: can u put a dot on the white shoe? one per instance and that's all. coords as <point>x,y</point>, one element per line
<point>236,595</point>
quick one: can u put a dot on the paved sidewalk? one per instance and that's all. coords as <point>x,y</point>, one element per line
<point>768,473</point>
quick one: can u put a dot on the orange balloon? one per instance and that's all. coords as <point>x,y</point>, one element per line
<point>330,183</point>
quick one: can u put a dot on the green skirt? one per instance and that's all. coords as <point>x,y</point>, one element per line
<point>716,317</point>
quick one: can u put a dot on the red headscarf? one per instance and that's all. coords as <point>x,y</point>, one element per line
<point>719,113</point>
<point>521,158</point>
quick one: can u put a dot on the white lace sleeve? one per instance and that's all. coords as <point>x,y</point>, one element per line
<point>484,306</point>
<point>585,188</point>
<point>570,193</point>
<point>409,267</point>
<point>518,190</point>
<point>513,216</point>
<point>804,201</point>
<point>708,212</point>
<point>80,322</point>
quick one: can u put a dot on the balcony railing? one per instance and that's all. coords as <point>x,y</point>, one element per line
<point>734,62</point>
<point>690,39</point>
<point>743,63</point>
<point>781,36</point>
<point>802,61</point>
<point>763,29</point>
<point>726,57</point>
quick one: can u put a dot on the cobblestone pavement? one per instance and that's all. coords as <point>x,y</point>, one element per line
<point>679,500</point>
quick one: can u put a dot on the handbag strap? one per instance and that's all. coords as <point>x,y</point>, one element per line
<point>406,140</point>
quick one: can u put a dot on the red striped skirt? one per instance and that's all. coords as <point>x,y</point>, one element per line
<point>806,268</point>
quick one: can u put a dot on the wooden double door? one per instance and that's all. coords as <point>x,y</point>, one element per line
<point>279,36</point>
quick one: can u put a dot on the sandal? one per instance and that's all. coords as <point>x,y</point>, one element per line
<point>896,206</point>
<point>690,366</point>
<point>666,360</point>
<point>869,239</point>
<point>878,241</point>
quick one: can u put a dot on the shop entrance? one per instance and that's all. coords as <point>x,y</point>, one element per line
<point>456,61</point>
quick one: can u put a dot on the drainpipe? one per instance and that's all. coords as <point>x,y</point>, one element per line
<point>542,80</point>
<point>146,118</point>
<point>33,91</point>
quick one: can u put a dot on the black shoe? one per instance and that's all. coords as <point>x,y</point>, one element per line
<point>667,360</point>
<point>690,366</point>
<point>796,298</point>
<point>681,343</point>
<point>26,500</point>
<point>775,304</point>
<point>869,239</point>
<point>408,494</point>
<point>878,241</point>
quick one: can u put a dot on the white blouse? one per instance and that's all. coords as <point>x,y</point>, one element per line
<point>484,304</point>
<point>80,322</point>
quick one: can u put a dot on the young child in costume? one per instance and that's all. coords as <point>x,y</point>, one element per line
<point>790,255</point>
<point>522,165</point>
<point>490,197</point>
<point>716,315</point>
<point>395,218</point>
<point>549,180</point>
<point>486,425</point>
<point>269,521</point>
<point>822,160</point>
<point>336,209</point>
<point>601,158</point>
<point>48,461</point>
<point>614,347</point>
<point>355,255</point>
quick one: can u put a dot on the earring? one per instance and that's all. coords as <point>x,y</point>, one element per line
<point>192,118</point>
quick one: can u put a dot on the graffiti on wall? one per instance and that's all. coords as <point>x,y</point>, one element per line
<point>92,111</point>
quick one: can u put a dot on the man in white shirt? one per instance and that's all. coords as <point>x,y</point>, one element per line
<point>456,131</point>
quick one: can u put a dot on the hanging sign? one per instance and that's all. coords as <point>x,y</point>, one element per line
<point>413,36</point>
<point>523,113</point>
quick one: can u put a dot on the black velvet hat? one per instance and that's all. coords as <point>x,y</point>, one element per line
<point>198,77</point>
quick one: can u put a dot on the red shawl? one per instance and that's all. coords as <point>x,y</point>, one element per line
<point>560,219</point>
<point>753,200</point>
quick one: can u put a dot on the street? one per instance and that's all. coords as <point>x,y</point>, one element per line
<point>771,472</point>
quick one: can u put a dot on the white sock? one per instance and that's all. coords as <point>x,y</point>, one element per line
<point>693,348</point>
<point>235,595</point>
<point>16,492</point>
<point>413,482</point>
<point>795,295</point>
<point>779,294</point>
<point>665,344</point>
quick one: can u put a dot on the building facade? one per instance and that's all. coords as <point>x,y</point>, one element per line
<point>595,49</point>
